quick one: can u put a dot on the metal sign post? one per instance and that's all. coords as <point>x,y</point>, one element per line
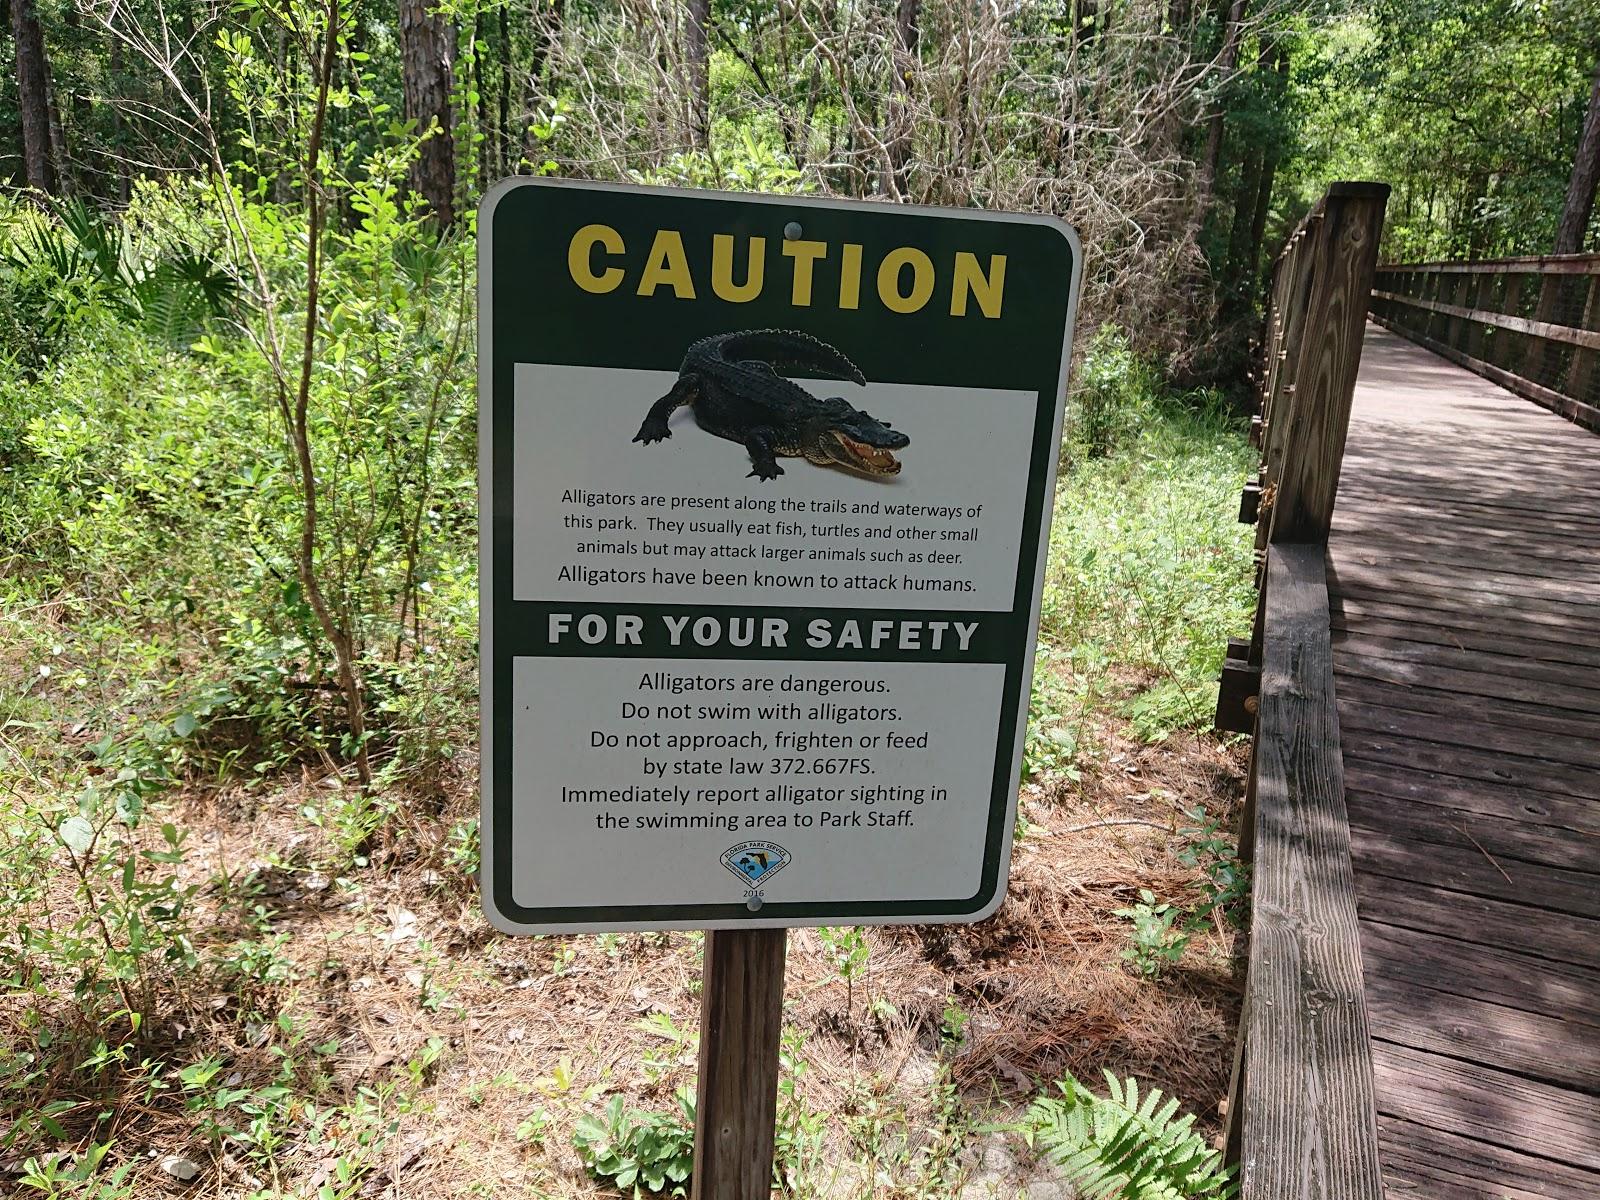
<point>765,495</point>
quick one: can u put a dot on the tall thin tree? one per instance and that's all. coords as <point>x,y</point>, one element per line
<point>697,53</point>
<point>903,60</point>
<point>33,97</point>
<point>428,51</point>
<point>1579,204</point>
<point>1227,59</point>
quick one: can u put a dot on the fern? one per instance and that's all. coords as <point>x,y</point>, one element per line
<point>1127,1147</point>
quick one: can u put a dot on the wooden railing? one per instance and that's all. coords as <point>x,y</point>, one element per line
<point>1530,324</point>
<point>1302,1121</point>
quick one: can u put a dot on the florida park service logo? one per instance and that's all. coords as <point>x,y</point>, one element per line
<point>756,862</point>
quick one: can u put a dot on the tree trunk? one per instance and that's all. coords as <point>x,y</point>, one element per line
<point>1269,174</point>
<point>33,97</point>
<point>503,148</point>
<point>1239,264</point>
<point>697,51</point>
<point>903,61</point>
<point>1585,174</point>
<point>1227,60</point>
<point>428,50</point>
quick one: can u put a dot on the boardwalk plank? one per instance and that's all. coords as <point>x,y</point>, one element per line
<point>1473,764</point>
<point>1474,795</point>
<point>1376,527</point>
<point>1483,922</point>
<point>1463,679</point>
<point>1468,869</point>
<point>1425,509</point>
<point>1457,604</point>
<point>1505,977</point>
<point>1488,590</point>
<point>1447,557</point>
<point>1506,841</point>
<point>1421,625</point>
<point>1358,643</point>
<point>1356,690</point>
<point>1421,1163</point>
<point>1534,1118</point>
<point>1457,729</point>
<point>1494,1035</point>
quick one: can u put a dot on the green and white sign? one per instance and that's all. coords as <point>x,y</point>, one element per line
<point>766,492</point>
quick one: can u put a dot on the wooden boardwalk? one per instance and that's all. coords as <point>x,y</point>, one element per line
<point>1464,599</point>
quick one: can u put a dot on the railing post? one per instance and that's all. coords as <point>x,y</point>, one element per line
<point>1342,260</point>
<point>1581,372</point>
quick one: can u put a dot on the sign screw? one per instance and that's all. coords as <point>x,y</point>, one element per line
<point>792,231</point>
<point>753,904</point>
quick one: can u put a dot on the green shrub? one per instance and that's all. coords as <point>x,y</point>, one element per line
<point>1114,395</point>
<point>1159,940</point>
<point>640,1152</point>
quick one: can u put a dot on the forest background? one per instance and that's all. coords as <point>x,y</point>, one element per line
<point>237,544</point>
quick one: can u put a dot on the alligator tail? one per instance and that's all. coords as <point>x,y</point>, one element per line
<point>791,353</point>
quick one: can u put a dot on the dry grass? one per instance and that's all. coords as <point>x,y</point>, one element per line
<point>383,961</point>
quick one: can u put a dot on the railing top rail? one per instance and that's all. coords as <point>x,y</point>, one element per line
<point>1534,264</point>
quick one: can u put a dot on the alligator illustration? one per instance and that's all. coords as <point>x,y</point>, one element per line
<point>732,382</point>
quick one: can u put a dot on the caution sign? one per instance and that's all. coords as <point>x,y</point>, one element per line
<point>766,493</point>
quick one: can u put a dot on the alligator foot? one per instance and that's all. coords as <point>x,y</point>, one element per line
<point>652,430</point>
<point>762,462</point>
<point>655,428</point>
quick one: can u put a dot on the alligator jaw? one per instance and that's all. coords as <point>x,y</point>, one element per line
<point>863,456</point>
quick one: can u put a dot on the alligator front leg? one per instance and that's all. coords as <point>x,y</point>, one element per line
<point>762,460</point>
<point>655,422</point>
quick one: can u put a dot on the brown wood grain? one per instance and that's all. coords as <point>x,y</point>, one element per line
<point>1343,257</point>
<point>1556,892</point>
<point>1480,921</point>
<point>1516,715</point>
<point>1481,765</point>
<point>1494,1035</point>
<point>1354,642</point>
<point>741,1019</point>
<point>1461,630</point>
<point>1507,977</point>
<point>1309,1129</point>
<point>1456,728</point>
<point>1512,842</point>
<point>1525,1115</point>
<point>1528,805</point>
<point>1421,1163</point>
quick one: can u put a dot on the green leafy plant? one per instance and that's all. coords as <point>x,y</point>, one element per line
<point>640,1152</point>
<point>1158,939</point>
<point>1116,391</point>
<point>58,1177</point>
<point>1227,880</point>
<point>1124,1147</point>
<point>799,1137</point>
<point>675,1046</point>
